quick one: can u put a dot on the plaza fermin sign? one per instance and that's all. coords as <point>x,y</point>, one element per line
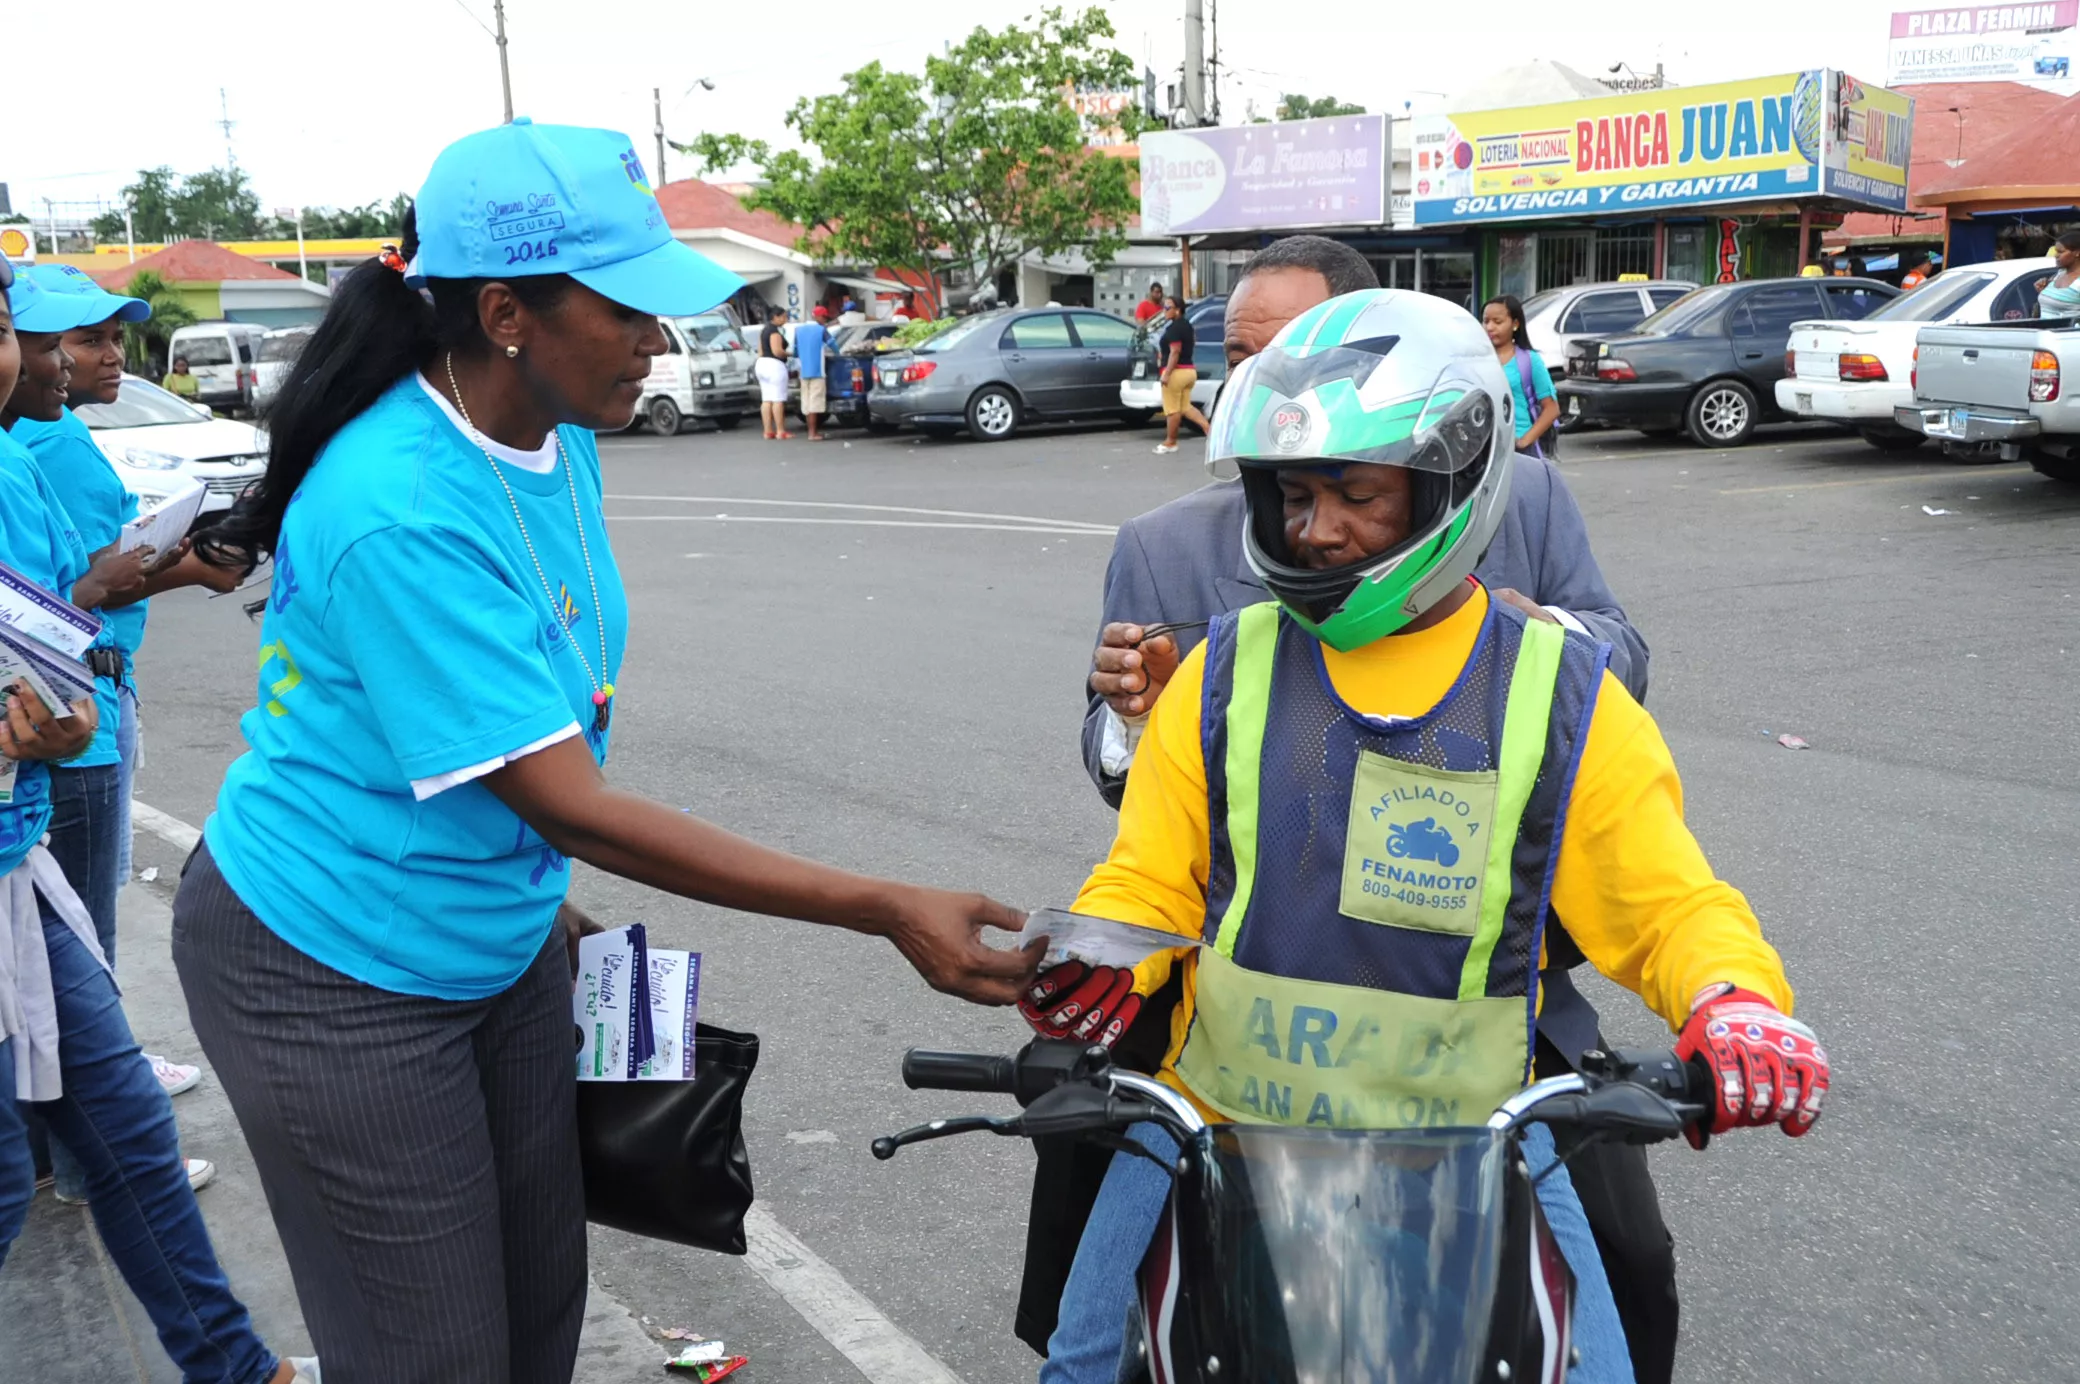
<point>1804,134</point>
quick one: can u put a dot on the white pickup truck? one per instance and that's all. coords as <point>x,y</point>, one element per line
<point>1857,372</point>
<point>2012,385</point>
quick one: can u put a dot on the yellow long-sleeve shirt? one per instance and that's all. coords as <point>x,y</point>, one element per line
<point>1632,885</point>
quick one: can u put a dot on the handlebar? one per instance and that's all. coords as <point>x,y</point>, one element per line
<point>924,1070</point>
<point>1638,1096</point>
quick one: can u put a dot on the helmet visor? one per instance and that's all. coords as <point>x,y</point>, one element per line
<point>1332,406</point>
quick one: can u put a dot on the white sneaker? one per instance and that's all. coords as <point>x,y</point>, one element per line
<point>306,1367</point>
<point>176,1077</point>
<point>1164,449</point>
<point>201,1172</point>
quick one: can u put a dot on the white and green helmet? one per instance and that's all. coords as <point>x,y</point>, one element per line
<point>1385,377</point>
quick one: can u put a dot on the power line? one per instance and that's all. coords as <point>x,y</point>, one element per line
<point>473,17</point>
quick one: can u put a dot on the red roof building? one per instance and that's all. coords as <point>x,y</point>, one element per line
<point>190,262</point>
<point>1957,127</point>
<point>692,205</point>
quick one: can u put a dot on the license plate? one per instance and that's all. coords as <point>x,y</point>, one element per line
<point>1574,406</point>
<point>891,378</point>
<point>1140,369</point>
<point>1805,402</point>
<point>1960,419</point>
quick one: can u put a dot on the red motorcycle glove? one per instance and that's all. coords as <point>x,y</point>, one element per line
<point>1767,1067</point>
<point>1096,1004</point>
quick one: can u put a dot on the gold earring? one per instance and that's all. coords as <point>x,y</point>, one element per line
<point>512,352</point>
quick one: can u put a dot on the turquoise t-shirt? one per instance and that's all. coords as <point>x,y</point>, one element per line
<point>77,472</point>
<point>1541,385</point>
<point>407,637</point>
<point>36,539</point>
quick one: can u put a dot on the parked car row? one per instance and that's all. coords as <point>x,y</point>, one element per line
<point>995,371</point>
<point>1708,363</point>
<point>1722,360</point>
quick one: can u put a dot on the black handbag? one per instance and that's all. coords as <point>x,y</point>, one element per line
<point>666,1159</point>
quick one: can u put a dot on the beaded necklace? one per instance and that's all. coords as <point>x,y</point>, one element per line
<point>602,690</point>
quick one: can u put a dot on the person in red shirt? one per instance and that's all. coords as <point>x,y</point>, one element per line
<point>1151,306</point>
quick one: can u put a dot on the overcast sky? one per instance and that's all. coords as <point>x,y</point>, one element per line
<point>336,105</point>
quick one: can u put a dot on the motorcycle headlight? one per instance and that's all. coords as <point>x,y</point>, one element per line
<point>145,459</point>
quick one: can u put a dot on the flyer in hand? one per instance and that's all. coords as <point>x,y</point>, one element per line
<point>166,523</point>
<point>1097,941</point>
<point>44,615</point>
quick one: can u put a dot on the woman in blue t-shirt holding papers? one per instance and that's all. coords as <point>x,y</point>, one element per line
<point>65,1046</point>
<point>369,935</point>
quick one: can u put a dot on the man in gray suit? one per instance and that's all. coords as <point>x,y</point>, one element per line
<point>1183,563</point>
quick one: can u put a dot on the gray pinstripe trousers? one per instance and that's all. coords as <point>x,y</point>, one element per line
<point>420,1156</point>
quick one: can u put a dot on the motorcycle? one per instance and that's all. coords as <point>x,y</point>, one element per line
<point>1319,1256</point>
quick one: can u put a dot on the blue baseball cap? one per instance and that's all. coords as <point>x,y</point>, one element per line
<point>73,282</point>
<point>559,199</point>
<point>37,309</point>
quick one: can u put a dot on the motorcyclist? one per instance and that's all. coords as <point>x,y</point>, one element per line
<point>1382,694</point>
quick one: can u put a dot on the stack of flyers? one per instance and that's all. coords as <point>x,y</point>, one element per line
<point>634,1008</point>
<point>42,636</point>
<point>44,616</point>
<point>675,991</point>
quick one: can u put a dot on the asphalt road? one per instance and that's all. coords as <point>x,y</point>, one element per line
<point>897,690</point>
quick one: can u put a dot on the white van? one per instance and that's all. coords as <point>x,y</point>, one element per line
<point>222,356</point>
<point>278,351</point>
<point>705,372</point>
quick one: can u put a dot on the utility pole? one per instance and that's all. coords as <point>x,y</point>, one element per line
<point>1194,62</point>
<point>1215,66</point>
<point>225,122</point>
<point>130,231</point>
<point>657,113</point>
<point>505,76</point>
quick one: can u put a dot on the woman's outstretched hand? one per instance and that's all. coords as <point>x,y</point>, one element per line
<point>940,933</point>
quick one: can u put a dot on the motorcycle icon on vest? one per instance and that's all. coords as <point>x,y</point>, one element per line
<point>1424,840</point>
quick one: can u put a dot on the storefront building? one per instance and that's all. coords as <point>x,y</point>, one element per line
<point>1707,184</point>
<point>1713,183</point>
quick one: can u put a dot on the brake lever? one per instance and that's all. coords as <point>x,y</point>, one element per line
<point>885,1147</point>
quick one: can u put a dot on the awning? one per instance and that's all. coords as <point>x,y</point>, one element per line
<point>868,284</point>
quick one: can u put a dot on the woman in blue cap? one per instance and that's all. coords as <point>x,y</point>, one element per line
<point>372,936</point>
<point>66,1051</point>
<point>90,795</point>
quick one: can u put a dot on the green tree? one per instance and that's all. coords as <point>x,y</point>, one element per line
<point>151,199</point>
<point>215,204</point>
<point>965,168</point>
<point>145,342</point>
<point>369,220</point>
<point>1293,106</point>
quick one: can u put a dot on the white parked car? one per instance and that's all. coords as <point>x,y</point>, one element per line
<point>1854,373</point>
<point>158,443</point>
<point>1559,315</point>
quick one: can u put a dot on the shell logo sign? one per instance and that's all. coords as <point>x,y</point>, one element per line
<point>16,245</point>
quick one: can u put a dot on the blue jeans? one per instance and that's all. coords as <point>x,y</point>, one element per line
<point>116,1118</point>
<point>1090,1343</point>
<point>126,781</point>
<point>84,834</point>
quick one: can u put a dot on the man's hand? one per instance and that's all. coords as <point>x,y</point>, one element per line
<point>1095,1004</point>
<point>940,933</point>
<point>1130,674</point>
<point>576,923</point>
<point>1511,596</point>
<point>30,731</point>
<point>1767,1067</point>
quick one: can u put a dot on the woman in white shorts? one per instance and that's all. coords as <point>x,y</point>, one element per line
<point>772,374</point>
